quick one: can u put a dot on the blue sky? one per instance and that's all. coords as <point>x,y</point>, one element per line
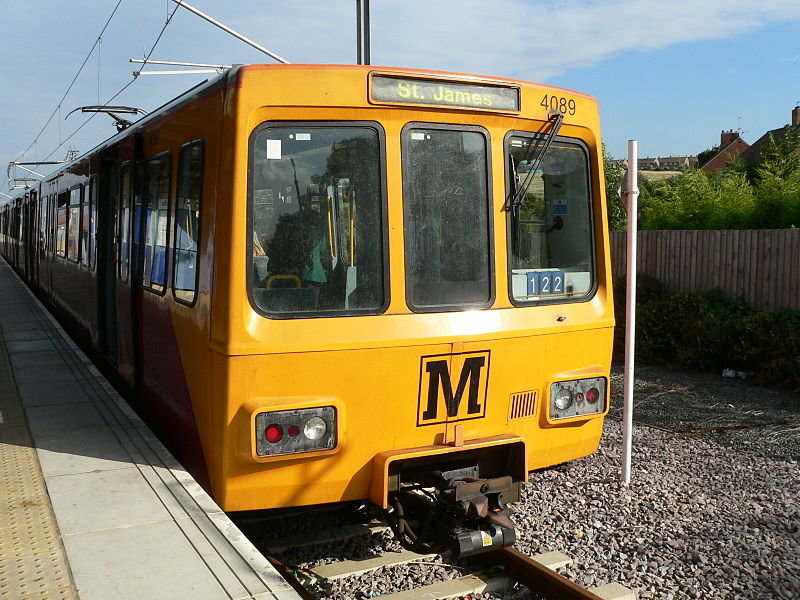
<point>670,74</point>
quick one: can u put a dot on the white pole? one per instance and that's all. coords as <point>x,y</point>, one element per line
<point>630,200</point>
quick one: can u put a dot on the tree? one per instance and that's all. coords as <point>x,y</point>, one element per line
<point>615,171</point>
<point>781,155</point>
<point>723,199</point>
<point>777,182</point>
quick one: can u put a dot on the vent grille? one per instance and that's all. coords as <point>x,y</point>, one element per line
<point>523,404</point>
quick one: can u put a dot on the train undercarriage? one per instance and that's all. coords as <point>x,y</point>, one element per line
<point>435,507</point>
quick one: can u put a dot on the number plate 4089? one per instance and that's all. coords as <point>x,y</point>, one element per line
<point>566,106</point>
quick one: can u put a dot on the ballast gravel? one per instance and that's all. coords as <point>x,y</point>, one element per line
<point>712,510</point>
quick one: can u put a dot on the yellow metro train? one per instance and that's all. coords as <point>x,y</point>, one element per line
<point>332,283</point>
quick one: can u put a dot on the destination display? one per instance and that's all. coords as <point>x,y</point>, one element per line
<point>406,90</point>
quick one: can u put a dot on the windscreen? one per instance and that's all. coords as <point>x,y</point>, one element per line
<point>446,209</point>
<point>550,224</point>
<point>316,203</point>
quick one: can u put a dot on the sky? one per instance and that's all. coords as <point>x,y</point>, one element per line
<point>672,75</point>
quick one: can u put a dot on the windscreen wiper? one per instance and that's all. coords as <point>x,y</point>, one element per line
<point>514,178</point>
<point>517,196</point>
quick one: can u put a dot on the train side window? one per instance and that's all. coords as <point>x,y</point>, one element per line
<point>447,217</point>
<point>187,222</point>
<point>92,224</point>
<point>83,241</point>
<point>316,235</point>
<point>61,223</point>
<point>154,219</point>
<point>52,203</point>
<point>122,222</point>
<point>43,202</point>
<point>74,224</point>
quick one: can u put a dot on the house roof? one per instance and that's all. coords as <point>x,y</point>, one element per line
<point>730,146</point>
<point>753,154</point>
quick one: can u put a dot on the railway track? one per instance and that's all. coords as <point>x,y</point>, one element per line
<point>494,572</point>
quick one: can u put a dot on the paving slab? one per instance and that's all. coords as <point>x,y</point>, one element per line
<point>148,561</point>
<point>44,393</point>
<point>54,421</point>
<point>48,373</point>
<point>106,495</point>
<point>22,346</point>
<point>34,332</point>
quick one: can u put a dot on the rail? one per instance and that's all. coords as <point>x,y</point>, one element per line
<point>539,578</point>
<point>497,570</point>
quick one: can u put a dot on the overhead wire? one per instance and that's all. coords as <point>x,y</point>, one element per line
<point>125,87</point>
<point>72,83</point>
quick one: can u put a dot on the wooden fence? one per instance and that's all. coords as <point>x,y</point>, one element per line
<point>762,265</point>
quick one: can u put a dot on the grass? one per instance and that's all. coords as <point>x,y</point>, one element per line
<point>659,175</point>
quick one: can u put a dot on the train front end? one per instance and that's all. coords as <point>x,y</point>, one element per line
<point>417,295</point>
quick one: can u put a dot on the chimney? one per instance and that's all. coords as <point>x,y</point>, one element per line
<point>796,116</point>
<point>728,137</point>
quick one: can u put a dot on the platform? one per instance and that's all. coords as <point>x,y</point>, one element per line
<point>92,505</point>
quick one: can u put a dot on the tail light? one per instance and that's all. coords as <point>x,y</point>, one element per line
<point>295,431</point>
<point>577,397</point>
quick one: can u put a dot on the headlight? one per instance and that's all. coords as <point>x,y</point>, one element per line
<point>315,428</point>
<point>563,399</point>
<point>295,431</point>
<point>577,397</point>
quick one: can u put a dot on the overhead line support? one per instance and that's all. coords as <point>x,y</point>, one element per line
<point>227,29</point>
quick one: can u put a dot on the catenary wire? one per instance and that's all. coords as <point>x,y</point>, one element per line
<point>125,87</point>
<point>72,83</point>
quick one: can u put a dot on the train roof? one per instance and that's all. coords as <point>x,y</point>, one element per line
<point>412,71</point>
<point>232,74</point>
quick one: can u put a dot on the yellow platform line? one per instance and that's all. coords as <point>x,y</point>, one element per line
<point>32,560</point>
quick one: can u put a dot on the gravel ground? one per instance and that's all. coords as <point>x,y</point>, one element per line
<point>711,512</point>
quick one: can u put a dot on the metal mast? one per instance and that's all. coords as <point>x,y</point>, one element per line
<point>227,29</point>
<point>362,18</point>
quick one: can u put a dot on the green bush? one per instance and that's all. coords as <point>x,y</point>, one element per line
<point>770,348</point>
<point>696,200</point>
<point>765,195</point>
<point>708,331</point>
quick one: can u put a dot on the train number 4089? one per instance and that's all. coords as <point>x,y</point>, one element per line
<point>566,106</point>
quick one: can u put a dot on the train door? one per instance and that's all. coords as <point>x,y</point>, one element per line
<point>124,251</point>
<point>45,245</point>
<point>33,243</point>
<point>41,247</point>
<point>151,321</point>
<point>25,236</point>
<point>107,251</point>
<point>18,208</point>
<point>52,199</point>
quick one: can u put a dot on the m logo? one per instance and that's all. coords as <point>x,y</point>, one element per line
<point>439,401</point>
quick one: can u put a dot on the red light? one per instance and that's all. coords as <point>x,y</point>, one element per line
<point>579,397</point>
<point>273,433</point>
<point>593,395</point>
<point>294,431</point>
